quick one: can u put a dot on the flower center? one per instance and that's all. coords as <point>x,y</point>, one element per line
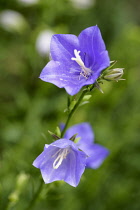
<point>86,72</point>
<point>61,155</point>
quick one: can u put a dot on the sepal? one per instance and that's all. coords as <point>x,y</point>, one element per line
<point>98,87</point>
<point>73,137</point>
<point>58,131</point>
<point>53,135</point>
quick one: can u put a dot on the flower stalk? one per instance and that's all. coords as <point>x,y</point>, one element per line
<point>76,62</point>
<point>86,90</point>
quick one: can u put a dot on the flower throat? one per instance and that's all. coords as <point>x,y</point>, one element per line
<point>86,72</point>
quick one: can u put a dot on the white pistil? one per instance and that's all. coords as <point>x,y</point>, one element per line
<point>85,71</point>
<point>78,58</point>
<point>62,154</point>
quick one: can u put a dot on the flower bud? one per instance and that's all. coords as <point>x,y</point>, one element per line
<point>113,74</point>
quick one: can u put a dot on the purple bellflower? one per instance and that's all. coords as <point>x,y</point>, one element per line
<point>61,160</point>
<point>66,160</point>
<point>95,152</point>
<point>76,61</point>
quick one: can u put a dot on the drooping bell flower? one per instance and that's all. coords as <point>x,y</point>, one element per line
<point>61,160</point>
<point>96,153</point>
<point>66,160</point>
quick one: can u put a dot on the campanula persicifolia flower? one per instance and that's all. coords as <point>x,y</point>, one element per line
<point>76,61</point>
<point>61,160</point>
<point>66,160</point>
<point>95,152</point>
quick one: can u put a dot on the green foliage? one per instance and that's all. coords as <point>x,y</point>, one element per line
<point>31,107</point>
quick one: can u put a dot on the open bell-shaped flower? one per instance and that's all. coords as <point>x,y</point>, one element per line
<point>76,61</point>
<point>66,160</point>
<point>61,160</point>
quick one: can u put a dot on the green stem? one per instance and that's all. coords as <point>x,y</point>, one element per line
<point>75,107</point>
<point>31,204</point>
<point>89,88</point>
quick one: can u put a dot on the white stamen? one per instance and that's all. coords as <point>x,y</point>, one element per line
<point>78,58</point>
<point>62,154</point>
<point>85,71</point>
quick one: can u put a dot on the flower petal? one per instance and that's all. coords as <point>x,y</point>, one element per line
<point>96,153</point>
<point>64,143</point>
<point>77,162</point>
<point>94,47</point>
<point>56,73</point>
<point>43,158</point>
<point>62,47</point>
<point>71,168</point>
<point>84,132</point>
<point>65,71</point>
<point>101,63</point>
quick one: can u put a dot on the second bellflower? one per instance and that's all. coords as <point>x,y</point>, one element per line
<point>96,153</point>
<point>61,160</point>
<point>76,61</point>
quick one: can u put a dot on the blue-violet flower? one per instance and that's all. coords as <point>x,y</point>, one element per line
<point>95,152</point>
<point>66,160</point>
<point>61,160</point>
<point>76,61</point>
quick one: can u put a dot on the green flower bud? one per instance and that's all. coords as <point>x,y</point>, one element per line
<point>113,74</point>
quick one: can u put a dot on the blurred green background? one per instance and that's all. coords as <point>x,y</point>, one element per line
<point>30,107</point>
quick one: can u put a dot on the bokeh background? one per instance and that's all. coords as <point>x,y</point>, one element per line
<point>31,107</point>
